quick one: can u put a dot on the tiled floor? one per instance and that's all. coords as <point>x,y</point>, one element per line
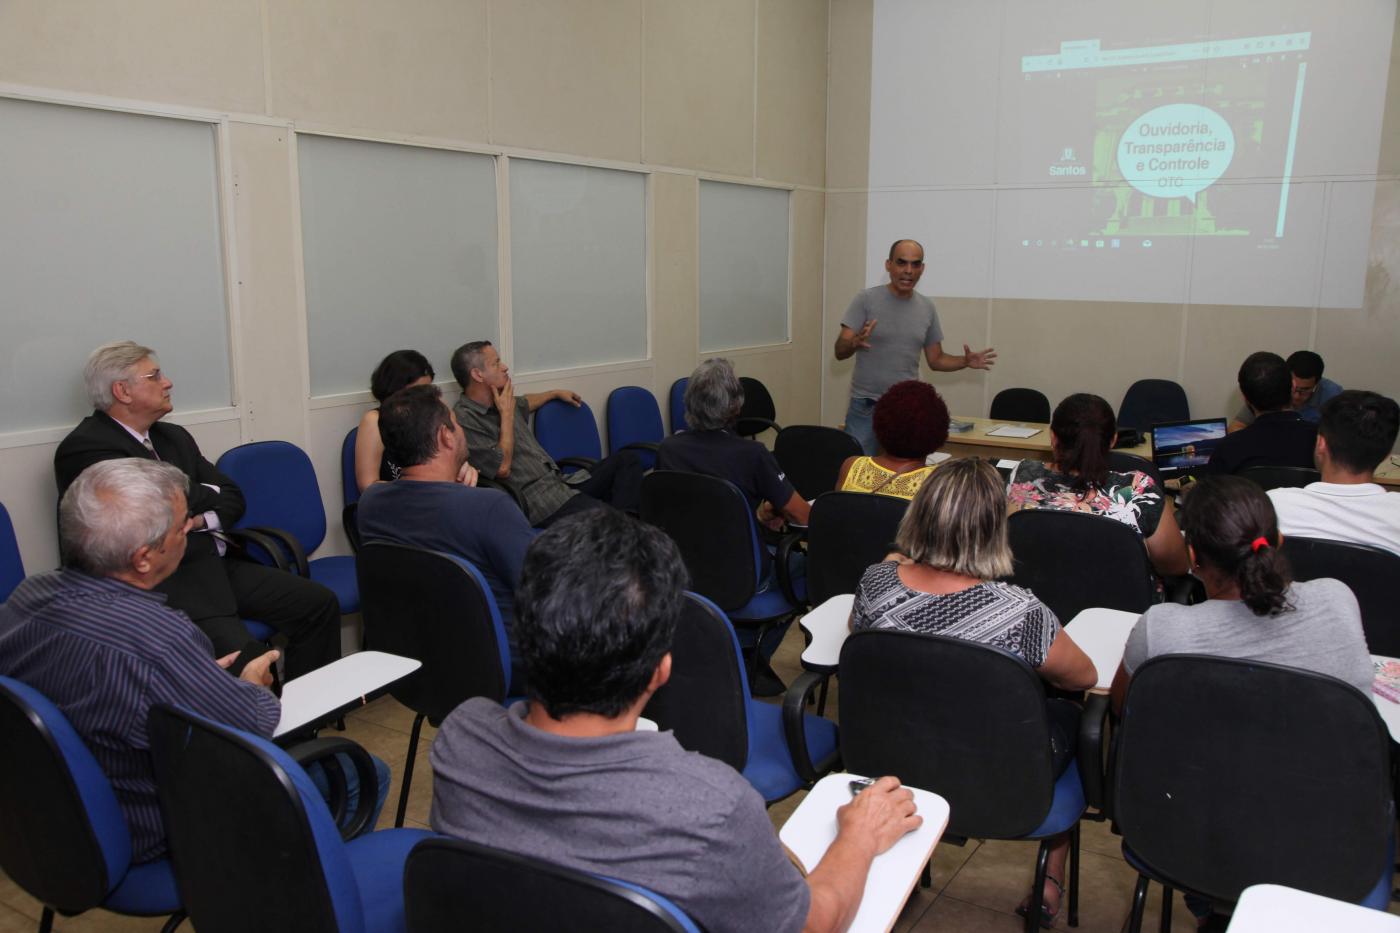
<point>975,887</point>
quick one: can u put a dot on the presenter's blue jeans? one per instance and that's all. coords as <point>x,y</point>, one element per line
<point>860,424</point>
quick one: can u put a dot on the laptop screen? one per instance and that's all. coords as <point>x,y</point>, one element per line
<point>1178,447</point>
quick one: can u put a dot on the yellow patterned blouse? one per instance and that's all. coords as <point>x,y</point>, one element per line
<point>866,475</point>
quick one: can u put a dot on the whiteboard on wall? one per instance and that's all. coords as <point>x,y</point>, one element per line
<point>109,230</point>
<point>578,261</point>
<point>743,266</point>
<point>399,246</point>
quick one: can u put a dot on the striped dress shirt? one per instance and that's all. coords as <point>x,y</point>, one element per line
<point>104,653</point>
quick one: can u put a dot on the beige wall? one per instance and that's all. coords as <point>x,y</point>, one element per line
<point>1061,347</point>
<point>731,89</point>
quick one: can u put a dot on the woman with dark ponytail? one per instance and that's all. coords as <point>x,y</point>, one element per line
<point>1078,479</point>
<point>1253,611</point>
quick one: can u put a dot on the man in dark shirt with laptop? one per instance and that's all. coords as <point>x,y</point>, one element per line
<point>1279,436</point>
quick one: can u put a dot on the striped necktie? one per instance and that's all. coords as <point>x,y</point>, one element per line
<point>146,443</point>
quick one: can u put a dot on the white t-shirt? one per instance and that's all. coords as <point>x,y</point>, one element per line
<point>1358,513</point>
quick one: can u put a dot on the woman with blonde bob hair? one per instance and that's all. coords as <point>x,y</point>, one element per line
<point>943,581</point>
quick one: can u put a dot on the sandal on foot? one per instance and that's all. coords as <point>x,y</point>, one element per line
<point>1047,916</point>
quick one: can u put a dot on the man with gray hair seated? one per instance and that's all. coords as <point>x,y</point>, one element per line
<point>99,642</point>
<point>131,395</point>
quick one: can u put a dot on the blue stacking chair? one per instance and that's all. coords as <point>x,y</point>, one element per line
<point>63,838</point>
<point>568,434</point>
<point>435,608</point>
<point>676,403</point>
<point>1231,773</point>
<point>350,487</point>
<point>284,500</point>
<point>1153,401</point>
<point>449,879</point>
<point>708,706</point>
<point>634,423</point>
<point>970,720</point>
<point>717,534</point>
<point>253,843</point>
<point>11,564</point>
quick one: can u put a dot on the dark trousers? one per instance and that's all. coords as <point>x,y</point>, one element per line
<point>307,613</point>
<point>615,481</point>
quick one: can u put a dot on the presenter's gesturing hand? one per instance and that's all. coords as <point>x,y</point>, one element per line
<point>849,341</point>
<point>982,359</point>
<point>862,341</point>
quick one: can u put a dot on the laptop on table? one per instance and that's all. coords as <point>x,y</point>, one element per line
<point>1182,447</point>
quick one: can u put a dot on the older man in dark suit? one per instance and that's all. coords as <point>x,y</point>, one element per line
<point>131,395</point>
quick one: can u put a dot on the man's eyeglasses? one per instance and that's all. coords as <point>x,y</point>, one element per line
<point>154,375</point>
<point>909,263</point>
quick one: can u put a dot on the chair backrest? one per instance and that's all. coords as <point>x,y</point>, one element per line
<point>1075,561</point>
<point>63,838</point>
<point>447,881</point>
<point>566,431</point>
<point>11,564</point>
<point>253,845</point>
<point>280,489</point>
<point>1153,401</point>
<point>811,455</point>
<point>634,417</point>
<point>1231,773</point>
<point>706,701</point>
<point>1122,462</point>
<point>1277,477</point>
<point>676,403</point>
<point>1020,404</point>
<point>847,532</point>
<point>349,485</point>
<point>1373,575</point>
<point>714,529</point>
<point>758,409</point>
<point>435,608</point>
<point>966,718</point>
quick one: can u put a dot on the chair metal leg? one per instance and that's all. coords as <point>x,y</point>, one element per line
<point>1166,924</point>
<point>408,769</point>
<point>173,923</point>
<point>46,920</point>
<point>1033,909</point>
<point>1073,917</point>
<point>1139,903</point>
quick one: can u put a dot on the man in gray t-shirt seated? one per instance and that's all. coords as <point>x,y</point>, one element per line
<point>908,323</point>
<point>566,777</point>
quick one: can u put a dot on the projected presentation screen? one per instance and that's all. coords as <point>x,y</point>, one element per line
<point>1225,153</point>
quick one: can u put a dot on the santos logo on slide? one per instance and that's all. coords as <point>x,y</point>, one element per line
<point>1176,151</point>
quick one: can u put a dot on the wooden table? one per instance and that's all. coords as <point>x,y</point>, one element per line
<point>811,829</point>
<point>978,443</point>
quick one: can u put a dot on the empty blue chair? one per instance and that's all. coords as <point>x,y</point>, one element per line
<point>282,495</point>
<point>449,879</point>
<point>707,704</point>
<point>676,403</point>
<point>254,845</point>
<point>11,564</point>
<point>63,838</point>
<point>568,434</point>
<point>634,423</point>
<point>1153,401</point>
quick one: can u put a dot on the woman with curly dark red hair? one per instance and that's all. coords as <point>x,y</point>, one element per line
<point>911,422</point>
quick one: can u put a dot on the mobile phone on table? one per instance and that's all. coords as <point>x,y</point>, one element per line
<point>860,784</point>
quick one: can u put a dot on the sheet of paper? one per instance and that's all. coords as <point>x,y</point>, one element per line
<point>1010,430</point>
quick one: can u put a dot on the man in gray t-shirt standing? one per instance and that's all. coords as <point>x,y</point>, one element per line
<point>908,322</point>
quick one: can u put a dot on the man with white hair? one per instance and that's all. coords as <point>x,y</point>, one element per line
<point>103,646</point>
<point>131,395</point>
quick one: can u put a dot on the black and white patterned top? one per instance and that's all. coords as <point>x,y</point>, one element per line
<point>995,613</point>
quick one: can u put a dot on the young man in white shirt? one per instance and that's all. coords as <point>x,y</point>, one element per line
<point>1356,434</point>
